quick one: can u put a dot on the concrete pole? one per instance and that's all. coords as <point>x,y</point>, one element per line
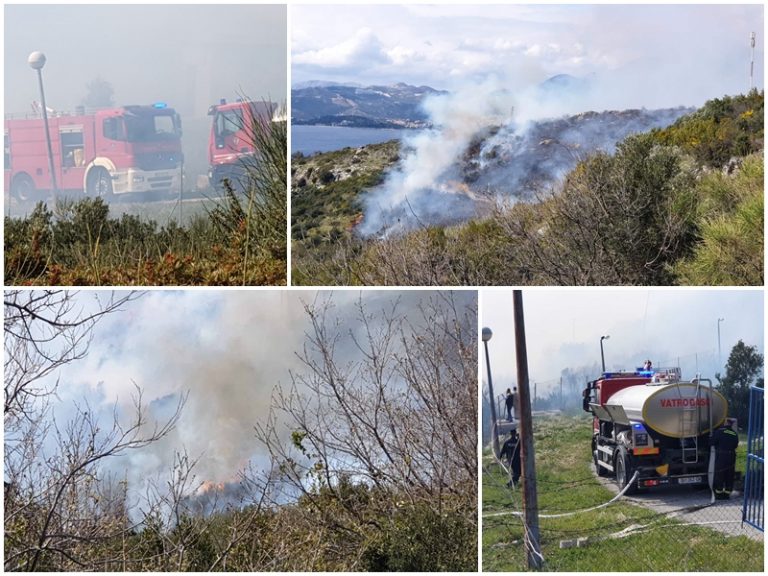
<point>527,455</point>
<point>487,334</point>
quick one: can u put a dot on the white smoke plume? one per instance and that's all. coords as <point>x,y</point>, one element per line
<point>457,118</point>
<point>227,352</point>
<point>492,143</point>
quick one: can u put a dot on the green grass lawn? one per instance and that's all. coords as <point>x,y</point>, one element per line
<point>565,483</point>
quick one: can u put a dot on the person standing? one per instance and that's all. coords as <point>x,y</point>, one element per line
<point>511,453</point>
<point>509,402</point>
<point>648,365</point>
<point>725,440</point>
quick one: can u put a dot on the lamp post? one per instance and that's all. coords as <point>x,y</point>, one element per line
<point>719,354</point>
<point>602,353</point>
<point>36,61</point>
<point>487,335</point>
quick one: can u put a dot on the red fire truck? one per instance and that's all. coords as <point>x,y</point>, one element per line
<point>652,423</point>
<point>112,151</point>
<point>231,145</point>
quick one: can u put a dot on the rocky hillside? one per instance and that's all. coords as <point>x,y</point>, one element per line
<point>397,106</point>
<point>517,160</point>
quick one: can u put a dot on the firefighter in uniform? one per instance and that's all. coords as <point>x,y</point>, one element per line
<point>725,441</point>
<point>511,453</point>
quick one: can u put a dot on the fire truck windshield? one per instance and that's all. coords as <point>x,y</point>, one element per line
<point>151,126</point>
<point>228,122</point>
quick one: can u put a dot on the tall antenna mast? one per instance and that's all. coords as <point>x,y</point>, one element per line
<point>752,63</point>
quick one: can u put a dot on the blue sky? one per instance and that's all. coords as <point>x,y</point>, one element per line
<point>563,329</point>
<point>653,55</point>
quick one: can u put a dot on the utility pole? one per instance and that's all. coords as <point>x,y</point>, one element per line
<point>561,394</point>
<point>719,352</point>
<point>752,63</point>
<point>487,335</point>
<point>527,456</point>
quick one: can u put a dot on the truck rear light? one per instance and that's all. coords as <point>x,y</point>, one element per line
<point>650,482</point>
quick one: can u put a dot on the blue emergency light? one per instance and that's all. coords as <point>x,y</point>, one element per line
<point>159,105</point>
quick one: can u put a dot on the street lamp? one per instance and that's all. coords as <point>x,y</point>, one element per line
<point>36,61</point>
<point>719,354</point>
<point>602,353</point>
<point>487,335</point>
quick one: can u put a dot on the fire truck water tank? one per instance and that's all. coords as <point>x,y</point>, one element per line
<point>674,410</point>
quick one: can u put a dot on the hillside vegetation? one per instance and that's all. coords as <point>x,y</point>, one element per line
<point>680,205</point>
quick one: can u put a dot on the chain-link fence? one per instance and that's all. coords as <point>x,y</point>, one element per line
<point>587,524</point>
<point>754,482</point>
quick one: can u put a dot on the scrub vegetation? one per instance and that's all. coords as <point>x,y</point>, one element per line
<point>676,206</point>
<point>239,240</point>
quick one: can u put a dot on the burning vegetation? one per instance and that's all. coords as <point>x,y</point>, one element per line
<point>580,200</point>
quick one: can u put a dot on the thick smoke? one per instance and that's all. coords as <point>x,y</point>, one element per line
<point>225,359</point>
<point>414,188</point>
<point>226,353</point>
<point>490,145</point>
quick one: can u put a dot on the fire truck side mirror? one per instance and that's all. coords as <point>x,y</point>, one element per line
<point>586,397</point>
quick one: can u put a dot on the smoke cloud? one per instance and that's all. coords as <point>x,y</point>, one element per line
<point>492,144</point>
<point>414,185</point>
<point>227,352</point>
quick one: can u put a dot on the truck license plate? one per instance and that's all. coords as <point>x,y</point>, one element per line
<point>691,480</point>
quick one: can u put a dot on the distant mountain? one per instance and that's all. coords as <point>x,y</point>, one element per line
<point>564,82</point>
<point>397,106</point>
<point>322,84</point>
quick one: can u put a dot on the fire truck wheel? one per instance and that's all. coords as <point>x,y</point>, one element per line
<point>624,471</point>
<point>23,187</point>
<point>99,183</point>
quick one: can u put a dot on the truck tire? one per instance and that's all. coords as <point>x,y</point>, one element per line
<point>23,187</point>
<point>624,471</point>
<point>99,184</point>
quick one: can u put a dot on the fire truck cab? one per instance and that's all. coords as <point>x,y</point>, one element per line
<point>130,149</point>
<point>231,145</point>
<point>652,423</point>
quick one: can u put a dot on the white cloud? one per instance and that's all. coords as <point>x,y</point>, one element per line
<point>364,48</point>
<point>638,49</point>
<point>402,55</point>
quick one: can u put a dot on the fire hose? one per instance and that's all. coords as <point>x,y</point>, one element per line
<point>564,514</point>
